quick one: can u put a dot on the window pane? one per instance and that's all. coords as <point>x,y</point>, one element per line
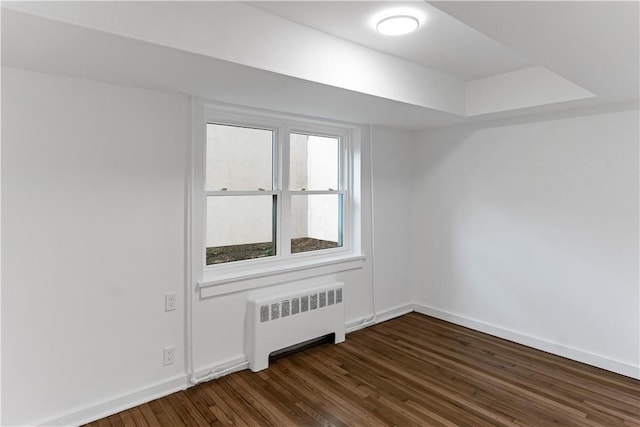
<point>240,227</point>
<point>316,222</point>
<point>314,162</point>
<point>239,158</point>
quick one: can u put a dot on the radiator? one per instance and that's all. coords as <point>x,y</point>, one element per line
<point>276,322</point>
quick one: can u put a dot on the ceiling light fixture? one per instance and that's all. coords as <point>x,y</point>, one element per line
<point>397,25</point>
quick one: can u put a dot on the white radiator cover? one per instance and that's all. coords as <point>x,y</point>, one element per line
<point>278,321</point>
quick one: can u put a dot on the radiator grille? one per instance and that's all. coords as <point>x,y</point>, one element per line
<point>293,306</point>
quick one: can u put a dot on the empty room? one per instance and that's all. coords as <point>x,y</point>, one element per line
<point>331,213</point>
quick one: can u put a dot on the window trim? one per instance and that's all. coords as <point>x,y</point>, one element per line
<point>284,266</point>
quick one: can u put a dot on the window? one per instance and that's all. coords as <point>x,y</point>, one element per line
<point>316,198</point>
<point>244,195</point>
<point>271,194</point>
<point>241,202</point>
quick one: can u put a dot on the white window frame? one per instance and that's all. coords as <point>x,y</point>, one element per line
<point>235,276</point>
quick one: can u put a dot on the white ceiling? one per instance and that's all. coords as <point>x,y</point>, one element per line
<point>442,43</point>
<point>464,64</point>
<point>43,45</point>
<point>595,44</point>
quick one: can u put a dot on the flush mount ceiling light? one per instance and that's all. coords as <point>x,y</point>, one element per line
<point>397,25</point>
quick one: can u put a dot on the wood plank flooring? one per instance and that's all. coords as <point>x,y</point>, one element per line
<point>410,371</point>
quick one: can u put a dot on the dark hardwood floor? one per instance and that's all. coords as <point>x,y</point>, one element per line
<point>410,371</point>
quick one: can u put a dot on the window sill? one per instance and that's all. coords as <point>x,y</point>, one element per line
<point>216,284</point>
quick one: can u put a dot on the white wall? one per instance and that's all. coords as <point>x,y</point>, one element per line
<point>93,197</point>
<point>392,166</point>
<point>530,231</point>
<point>93,219</point>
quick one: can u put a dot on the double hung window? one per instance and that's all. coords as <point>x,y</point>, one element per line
<point>275,191</point>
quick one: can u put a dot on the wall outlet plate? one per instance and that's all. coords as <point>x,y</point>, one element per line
<point>169,355</point>
<point>170,301</point>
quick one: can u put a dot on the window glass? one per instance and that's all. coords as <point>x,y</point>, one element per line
<point>240,227</point>
<point>314,162</point>
<point>239,158</point>
<point>316,222</point>
<point>246,184</point>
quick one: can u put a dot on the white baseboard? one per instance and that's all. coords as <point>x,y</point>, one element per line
<point>390,313</point>
<point>118,403</point>
<point>589,358</point>
<point>220,369</point>
<point>361,323</point>
<point>379,317</point>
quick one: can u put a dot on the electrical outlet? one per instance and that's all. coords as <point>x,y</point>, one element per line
<point>169,355</point>
<point>170,301</point>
